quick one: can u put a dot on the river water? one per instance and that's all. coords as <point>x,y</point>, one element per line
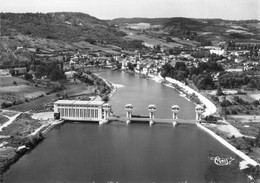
<point>116,152</point>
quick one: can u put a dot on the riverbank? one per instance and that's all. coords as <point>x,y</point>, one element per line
<point>249,166</point>
<point>229,146</point>
<point>21,134</point>
<point>228,133</point>
<point>25,130</point>
<point>210,107</point>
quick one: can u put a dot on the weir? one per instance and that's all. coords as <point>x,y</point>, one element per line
<point>151,119</point>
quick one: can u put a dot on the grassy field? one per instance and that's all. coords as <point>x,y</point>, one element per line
<point>22,91</point>
<point>3,119</point>
<point>186,42</point>
<point>24,125</point>
<point>139,26</point>
<point>8,81</point>
<point>254,94</point>
<point>152,41</point>
<point>25,90</point>
<point>71,89</point>
<point>87,45</point>
<point>245,118</point>
<point>250,129</point>
<point>246,98</point>
<point>9,113</point>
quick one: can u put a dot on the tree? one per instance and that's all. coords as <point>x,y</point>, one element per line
<point>180,66</point>
<point>6,104</point>
<point>40,71</point>
<point>130,66</point>
<point>157,47</point>
<point>105,98</point>
<point>203,82</point>
<point>257,140</point>
<point>219,91</point>
<point>56,75</point>
<point>256,103</point>
<point>168,39</point>
<point>12,72</point>
<point>28,76</point>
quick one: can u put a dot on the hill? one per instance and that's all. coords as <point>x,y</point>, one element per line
<point>202,30</point>
<point>165,23</point>
<point>124,21</point>
<point>61,26</point>
<point>55,32</point>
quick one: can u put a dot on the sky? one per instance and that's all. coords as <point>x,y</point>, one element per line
<point>110,9</point>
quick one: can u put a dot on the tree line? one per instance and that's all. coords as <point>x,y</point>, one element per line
<point>201,75</point>
<point>239,80</point>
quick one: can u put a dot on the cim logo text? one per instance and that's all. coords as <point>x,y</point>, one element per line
<point>222,161</point>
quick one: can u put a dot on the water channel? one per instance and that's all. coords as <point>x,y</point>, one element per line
<point>116,152</point>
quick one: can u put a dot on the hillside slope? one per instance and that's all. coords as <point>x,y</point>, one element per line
<point>54,32</point>
<point>165,23</point>
<point>62,26</point>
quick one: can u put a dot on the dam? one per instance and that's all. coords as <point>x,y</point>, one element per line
<point>99,111</point>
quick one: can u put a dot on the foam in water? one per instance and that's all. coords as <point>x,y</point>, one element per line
<point>118,85</point>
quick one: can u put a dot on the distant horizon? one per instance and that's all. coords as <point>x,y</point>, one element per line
<point>130,17</point>
<point>112,9</point>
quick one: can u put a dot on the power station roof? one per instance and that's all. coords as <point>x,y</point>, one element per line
<point>79,102</point>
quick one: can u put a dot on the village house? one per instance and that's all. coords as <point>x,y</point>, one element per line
<point>20,71</point>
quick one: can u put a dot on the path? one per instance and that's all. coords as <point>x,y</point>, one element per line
<point>11,119</point>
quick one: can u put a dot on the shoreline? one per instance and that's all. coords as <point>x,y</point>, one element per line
<point>210,109</point>
<point>229,146</point>
<point>33,139</point>
<point>210,106</point>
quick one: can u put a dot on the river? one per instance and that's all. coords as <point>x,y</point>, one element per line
<point>116,152</point>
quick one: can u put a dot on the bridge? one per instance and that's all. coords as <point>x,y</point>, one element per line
<point>154,120</point>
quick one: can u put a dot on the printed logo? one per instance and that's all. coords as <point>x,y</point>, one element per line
<point>222,161</point>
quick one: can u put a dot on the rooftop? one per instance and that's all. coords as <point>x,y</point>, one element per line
<point>79,102</point>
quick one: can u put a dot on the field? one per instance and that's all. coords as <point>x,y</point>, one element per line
<point>70,90</point>
<point>140,26</point>
<point>23,124</point>
<point>152,41</point>
<point>254,94</point>
<point>249,129</point>
<point>238,31</point>
<point>246,98</point>
<point>186,42</point>
<point>254,25</point>
<point>3,119</point>
<point>87,45</point>
<point>20,92</point>
<point>8,81</point>
<point>250,119</point>
<point>28,92</point>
